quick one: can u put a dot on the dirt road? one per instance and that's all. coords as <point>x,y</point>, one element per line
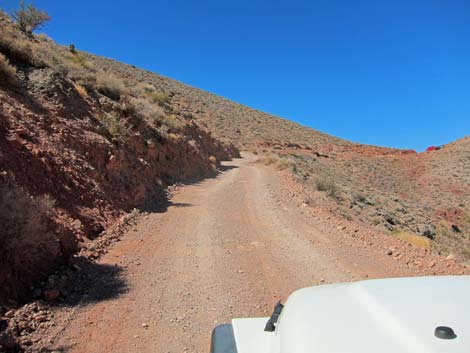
<point>227,247</point>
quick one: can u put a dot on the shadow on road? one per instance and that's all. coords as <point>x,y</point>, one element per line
<point>93,282</point>
<point>225,168</point>
<point>161,202</point>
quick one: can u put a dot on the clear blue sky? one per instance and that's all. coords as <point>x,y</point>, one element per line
<point>393,73</point>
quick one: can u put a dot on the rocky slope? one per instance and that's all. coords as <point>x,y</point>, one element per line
<point>74,158</point>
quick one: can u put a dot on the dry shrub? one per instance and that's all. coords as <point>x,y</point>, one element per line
<point>269,160</point>
<point>283,164</point>
<point>143,109</point>
<point>357,197</point>
<point>87,80</point>
<point>327,186</point>
<point>27,248</point>
<point>160,98</point>
<point>116,128</point>
<point>144,88</point>
<point>20,48</point>
<point>81,91</point>
<point>7,72</point>
<point>278,163</point>
<point>77,68</point>
<point>152,94</point>
<point>171,121</point>
<point>212,160</point>
<point>110,86</point>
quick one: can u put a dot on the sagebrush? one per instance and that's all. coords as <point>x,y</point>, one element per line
<point>7,72</point>
<point>26,245</point>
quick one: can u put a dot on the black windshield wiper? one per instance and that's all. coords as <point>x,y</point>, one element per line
<point>271,324</point>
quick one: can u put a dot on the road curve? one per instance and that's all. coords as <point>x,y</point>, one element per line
<point>225,247</point>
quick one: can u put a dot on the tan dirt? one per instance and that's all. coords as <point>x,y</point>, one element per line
<point>226,247</point>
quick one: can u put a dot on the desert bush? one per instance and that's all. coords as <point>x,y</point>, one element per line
<point>358,197</point>
<point>110,85</point>
<point>283,164</point>
<point>116,128</point>
<point>7,72</point>
<point>26,245</point>
<point>87,80</point>
<point>212,160</point>
<point>142,108</point>
<point>269,160</point>
<point>327,186</point>
<point>160,98</point>
<point>28,18</point>
<point>144,88</point>
<point>80,60</point>
<point>171,121</point>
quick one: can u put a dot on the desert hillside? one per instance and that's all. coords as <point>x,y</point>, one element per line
<point>80,148</point>
<point>420,197</point>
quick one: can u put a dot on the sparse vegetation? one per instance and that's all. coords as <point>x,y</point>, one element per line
<point>152,94</point>
<point>7,72</point>
<point>29,18</point>
<point>110,85</point>
<point>415,239</point>
<point>358,197</point>
<point>283,164</point>
<point>142,108</point>
<point>327,186</point>
<point>115,127</point>
<point>171,121</point>
<point>26,245</point>
<point>160,98</point>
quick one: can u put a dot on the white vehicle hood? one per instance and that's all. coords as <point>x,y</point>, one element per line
<point>386,316</point>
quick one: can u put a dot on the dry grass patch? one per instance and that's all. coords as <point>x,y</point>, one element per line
<point>417,240</point>
<point>278,163</point>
